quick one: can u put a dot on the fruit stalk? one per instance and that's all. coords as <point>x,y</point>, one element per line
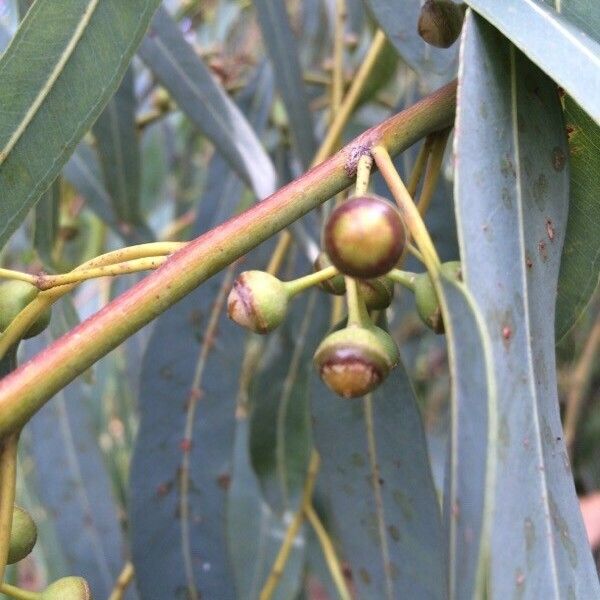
<point>8,480</point>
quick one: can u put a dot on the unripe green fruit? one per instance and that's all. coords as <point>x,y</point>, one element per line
<point>364,237</point>
<point>377,293</point>
<point>68,588</point>
<point>336,284</point>
<point>257,301</point>
<point>355,360</point>
<point>23,535</point>
<point>440,22</point>
<point>426,299</point>
<point>14,297</point>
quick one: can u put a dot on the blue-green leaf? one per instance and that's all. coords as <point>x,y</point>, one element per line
<point>46,224</point>
<point>191,85</point>
<point>62,66</point>
<point>511,191</point>
<point>560,48</point>
<point>375,471</point>
<point>279,40</point>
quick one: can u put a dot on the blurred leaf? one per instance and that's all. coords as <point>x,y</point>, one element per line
<point>280,43</point>
<point>83,171</point>
<point>72,482</point>
<point>559,47</point>
<point>175,63</point>
<point>470,468</point>
<point>580,262</point>
<point>381,74</point>
<point>386,513</point>
<point>399,21</point>
<point>255,532</point>
<point>280,432</point>
<point>511,157</point>
<point>63,64</point>
<point>118,149</point>
<point>46,224</point>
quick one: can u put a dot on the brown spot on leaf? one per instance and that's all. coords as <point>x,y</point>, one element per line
<point>543,250</point>
<point>558,159</point>
<point>550,229</point>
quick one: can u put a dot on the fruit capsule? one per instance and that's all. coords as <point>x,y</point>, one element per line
<point>23,535</point>
<point>67,588</point>
<point>440,22</point>
<point>14,297</point>
<point>364,237</point>
<point>258,301</point>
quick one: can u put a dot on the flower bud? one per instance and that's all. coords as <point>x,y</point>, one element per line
<point>353,361</point>
<point>23,535</point>
<point>257,301</point>
<point>14,297</point>
<point>440,22</point>
<point>336,285</point>
<point>364,237</point>
<point>377,293</point>
<point>426,299</point>
<point>68,588</point>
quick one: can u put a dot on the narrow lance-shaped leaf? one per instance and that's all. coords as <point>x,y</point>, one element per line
<point>61,46</point>
<point>118,149</point>
<point>560,48</point>
<point>46,223</point>
<point>511,192</point>
<point>279,40</point>
<point>375,470</point>
<point>190,83</point>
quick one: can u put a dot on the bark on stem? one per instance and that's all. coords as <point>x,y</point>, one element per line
<point>25,390</point>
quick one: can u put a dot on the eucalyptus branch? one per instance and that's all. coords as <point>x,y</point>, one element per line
<point>26,389</point>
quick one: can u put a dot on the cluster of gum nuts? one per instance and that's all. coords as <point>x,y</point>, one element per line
<point>364,239</point>
<point>23,535</point>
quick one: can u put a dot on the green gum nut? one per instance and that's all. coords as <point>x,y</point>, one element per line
<point>440,22</point>
<point>258,301</point>
<point>68,588</point>
<point>355,360</point>
<point>14,297</point>
<point>377,293</point>
<point>364,237</point>
<point>23,535</point>
<point>336,285</point>
<point>426,299</point>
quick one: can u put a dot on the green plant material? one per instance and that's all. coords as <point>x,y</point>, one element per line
<point>23,535</point>
<point>440,22</point>
<point>336,285</point>
<point>258,301</point>
<point>376,293</point>
<point>280,43</point>
<point>364,237</point>
<point>117,145</point>
<point>377,480</point>
<point>67,588</point>
<point>511,241</point>
<point>85,46</point>
<point>46,224</point>
<point>426,299</point>
<point>553,43</point>
<point>175,63</point>
<point>580,261</point>
<point>14,297</point>
<point>381,74</point>
<point>355,360</point>
<point>399,21</point>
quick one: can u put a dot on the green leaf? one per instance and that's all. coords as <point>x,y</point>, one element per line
<point>375,472</point>
<point>118,149</point>
<point>280,432</point>
<point>399,21</point>
<point>560,48</point>
<point>511,192</point>
<point>62,66</point>
<point>280,43</point>
<point>175,63</point>
<point>580,262</point>
<point>46,224</point>
<point>469,493</point>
